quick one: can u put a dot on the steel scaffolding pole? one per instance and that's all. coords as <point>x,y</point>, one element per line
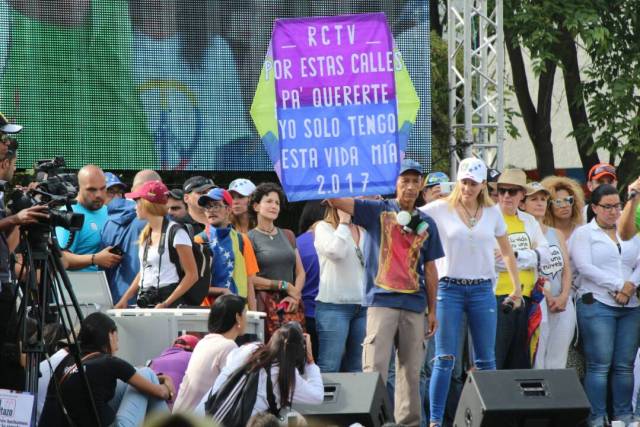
<point>476,92</point>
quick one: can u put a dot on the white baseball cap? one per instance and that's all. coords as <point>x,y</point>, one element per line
<point>242,186</point>
<point>472,168</point>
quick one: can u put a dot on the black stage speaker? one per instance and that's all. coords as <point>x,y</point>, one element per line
<point>350,398</point>
<point>523,398</point>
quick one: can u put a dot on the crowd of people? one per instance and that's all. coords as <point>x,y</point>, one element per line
<point>501,272</point>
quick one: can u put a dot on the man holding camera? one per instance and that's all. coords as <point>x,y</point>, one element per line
<point>84,251</point>
<point>11,371</point>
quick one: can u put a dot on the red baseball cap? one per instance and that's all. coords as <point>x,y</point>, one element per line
<point>600,170</point>
<point>153,191</point>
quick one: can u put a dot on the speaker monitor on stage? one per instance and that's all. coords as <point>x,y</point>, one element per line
<point>522,398</point>
<point>350,398</point>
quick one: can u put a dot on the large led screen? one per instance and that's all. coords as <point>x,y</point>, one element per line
<point>164,84</point>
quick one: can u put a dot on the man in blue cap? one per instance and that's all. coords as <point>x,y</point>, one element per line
<point>401,287</point>
<point>115,187</point>
<point>233,260</point>
<point>433,189</point>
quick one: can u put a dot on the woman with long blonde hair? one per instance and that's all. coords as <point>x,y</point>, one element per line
<point>566,204</point>
<point>158,283</point>
<point>469,225</point>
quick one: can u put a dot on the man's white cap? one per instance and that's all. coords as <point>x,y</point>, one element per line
<point>242,186</point>
<point>472,168</point>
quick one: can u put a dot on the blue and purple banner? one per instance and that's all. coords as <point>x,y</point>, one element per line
<point>339,129</point>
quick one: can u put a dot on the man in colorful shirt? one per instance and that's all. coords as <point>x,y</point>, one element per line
<point>234,262</point>
<point>401,283</point>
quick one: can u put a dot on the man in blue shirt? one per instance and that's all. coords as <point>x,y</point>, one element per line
<point>85,252</point>
<point>123,229</point>
<point>401,286</point>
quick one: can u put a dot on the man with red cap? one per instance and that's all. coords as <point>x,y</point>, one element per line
<point>601,173</point>
<point>174,360</point>
<point>234,262</point>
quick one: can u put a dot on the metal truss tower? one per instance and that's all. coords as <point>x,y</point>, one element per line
<point>476,92</point>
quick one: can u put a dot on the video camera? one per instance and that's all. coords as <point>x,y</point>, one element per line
<point>54,190</point>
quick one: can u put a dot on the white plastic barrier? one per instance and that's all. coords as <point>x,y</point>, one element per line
<point>145,332</point>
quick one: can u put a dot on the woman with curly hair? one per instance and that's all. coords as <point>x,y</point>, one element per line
<point>565,214</point>
<point>566,202</point>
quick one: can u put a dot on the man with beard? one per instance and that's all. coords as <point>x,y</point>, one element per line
<point>84,253</point>
<point>234,261</point>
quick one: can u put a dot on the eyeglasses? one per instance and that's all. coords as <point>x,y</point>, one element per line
<point>559,203</point>
<point>608,208</point>
<point>512,191</point>
<point>214,207</point>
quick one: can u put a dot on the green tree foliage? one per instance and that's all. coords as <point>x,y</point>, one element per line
<point>603,92</point>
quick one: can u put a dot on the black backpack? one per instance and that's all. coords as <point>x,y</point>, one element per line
<point>232,404</point>
<point>196,294</point>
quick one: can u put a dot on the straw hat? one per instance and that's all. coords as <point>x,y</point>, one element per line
<point>513,177</point>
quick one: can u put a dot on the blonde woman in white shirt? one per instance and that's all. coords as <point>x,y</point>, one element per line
<point>341,320</point>
<point>607,306</point>
<point>469,225</point>
<point>158,282</point>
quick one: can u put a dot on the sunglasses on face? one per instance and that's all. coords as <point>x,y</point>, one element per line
<point>512,191</point>
<point>562,202</point>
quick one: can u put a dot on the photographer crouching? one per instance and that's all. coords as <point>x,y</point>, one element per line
<point>11,363</point>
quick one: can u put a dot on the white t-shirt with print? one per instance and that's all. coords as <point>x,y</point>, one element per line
<point>168,272</point>
<point>468,251</point>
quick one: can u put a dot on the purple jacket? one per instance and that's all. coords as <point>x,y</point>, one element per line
<point>172,362</point>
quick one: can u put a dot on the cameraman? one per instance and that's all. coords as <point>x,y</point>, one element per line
<point>84,253</point>
<point>11,372</point>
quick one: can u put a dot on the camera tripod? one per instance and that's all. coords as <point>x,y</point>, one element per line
<point>47,297</point>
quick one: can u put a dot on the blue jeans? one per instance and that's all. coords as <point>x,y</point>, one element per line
<point>610,337</point>
<point>479,303</point>
<point>341,329</point>
<point>131,406</point>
